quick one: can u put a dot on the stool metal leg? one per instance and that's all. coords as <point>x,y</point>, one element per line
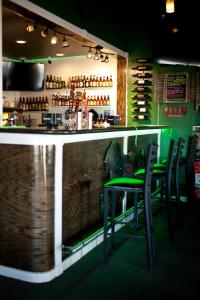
<point>148,230</point>
<point>105,236</point>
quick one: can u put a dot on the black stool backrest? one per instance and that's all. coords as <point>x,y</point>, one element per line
<point>114,160</point>
<point>171,157</point>
<point>150,161</point>
<point>181,143</point>
<point>190,154</point>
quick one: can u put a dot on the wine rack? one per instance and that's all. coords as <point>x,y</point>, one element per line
<point>141,97</point>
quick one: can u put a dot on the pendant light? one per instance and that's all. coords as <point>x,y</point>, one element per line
<point>170,6</point>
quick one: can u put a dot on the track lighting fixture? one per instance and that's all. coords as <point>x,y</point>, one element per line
<point>98,54</point>
<point>46,30</point>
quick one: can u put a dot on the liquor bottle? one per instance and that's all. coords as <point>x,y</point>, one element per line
<point>46,104</point>
<point>20,103</point>
<point>110,81</point>
<point>50,82</point>
<point>47,82</point>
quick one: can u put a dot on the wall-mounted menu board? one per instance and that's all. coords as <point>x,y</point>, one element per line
<point>176,87</point>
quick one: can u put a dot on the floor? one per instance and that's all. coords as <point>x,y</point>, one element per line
<point>177,272</point>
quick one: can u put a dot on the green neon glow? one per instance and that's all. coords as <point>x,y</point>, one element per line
<point>43,59</point>
<point>167,131</point>
<point>98,232</point>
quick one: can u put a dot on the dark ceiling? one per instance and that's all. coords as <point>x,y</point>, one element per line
<point>117,22</point>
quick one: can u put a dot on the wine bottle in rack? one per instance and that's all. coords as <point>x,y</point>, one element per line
<point>142,75</point>
<point>141,117</point>
<point>142,81</point>
<point>140,109</point>
<point>141,103</point>
<point>141,89</point>
<point>141,96</point>
<point>142,68</point>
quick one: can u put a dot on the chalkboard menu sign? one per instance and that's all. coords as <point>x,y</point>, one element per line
<point>176,87</point>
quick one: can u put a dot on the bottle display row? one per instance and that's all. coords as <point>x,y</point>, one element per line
<point>141,90</point>
<point>79,81</point>
<point>43,103</point>
<point>94,100</point>
<point>33,103</point>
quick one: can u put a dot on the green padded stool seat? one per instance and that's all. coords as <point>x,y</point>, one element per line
<point>124,181</point>
<point>136,187</point>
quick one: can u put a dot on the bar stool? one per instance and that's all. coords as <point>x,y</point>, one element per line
<point>175,168</point>
<point>136,187</point>
<point>164,176</point>
<point>187,163</point>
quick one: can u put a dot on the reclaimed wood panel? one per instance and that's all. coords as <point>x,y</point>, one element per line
<point>26,207</point>
<point>83,174</point>
<point>121,88</point>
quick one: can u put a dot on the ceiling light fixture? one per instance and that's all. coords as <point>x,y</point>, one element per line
<point>60,54</point>
<point>21,41</point>
<point>170,6</point>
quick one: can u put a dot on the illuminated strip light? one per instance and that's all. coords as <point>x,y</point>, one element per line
<point>44,59</point>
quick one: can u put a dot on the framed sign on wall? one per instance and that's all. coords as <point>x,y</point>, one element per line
<point>176,88</point>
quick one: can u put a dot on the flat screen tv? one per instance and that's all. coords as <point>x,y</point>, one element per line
<point>21,76</point>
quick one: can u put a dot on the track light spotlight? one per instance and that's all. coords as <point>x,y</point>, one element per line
<point>65,42</point>
<point>89,55</point>
<point>44,33</point>
<point>54,39</point>
<point>102,58</point>
<point>96,56</point>
<point>30,27</point>
<point>106,60</point>
<point>99,53</point>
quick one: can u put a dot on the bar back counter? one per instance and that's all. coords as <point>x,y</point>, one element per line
<point>50,195</point>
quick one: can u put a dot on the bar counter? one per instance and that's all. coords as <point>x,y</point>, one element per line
<point>50,187</point>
